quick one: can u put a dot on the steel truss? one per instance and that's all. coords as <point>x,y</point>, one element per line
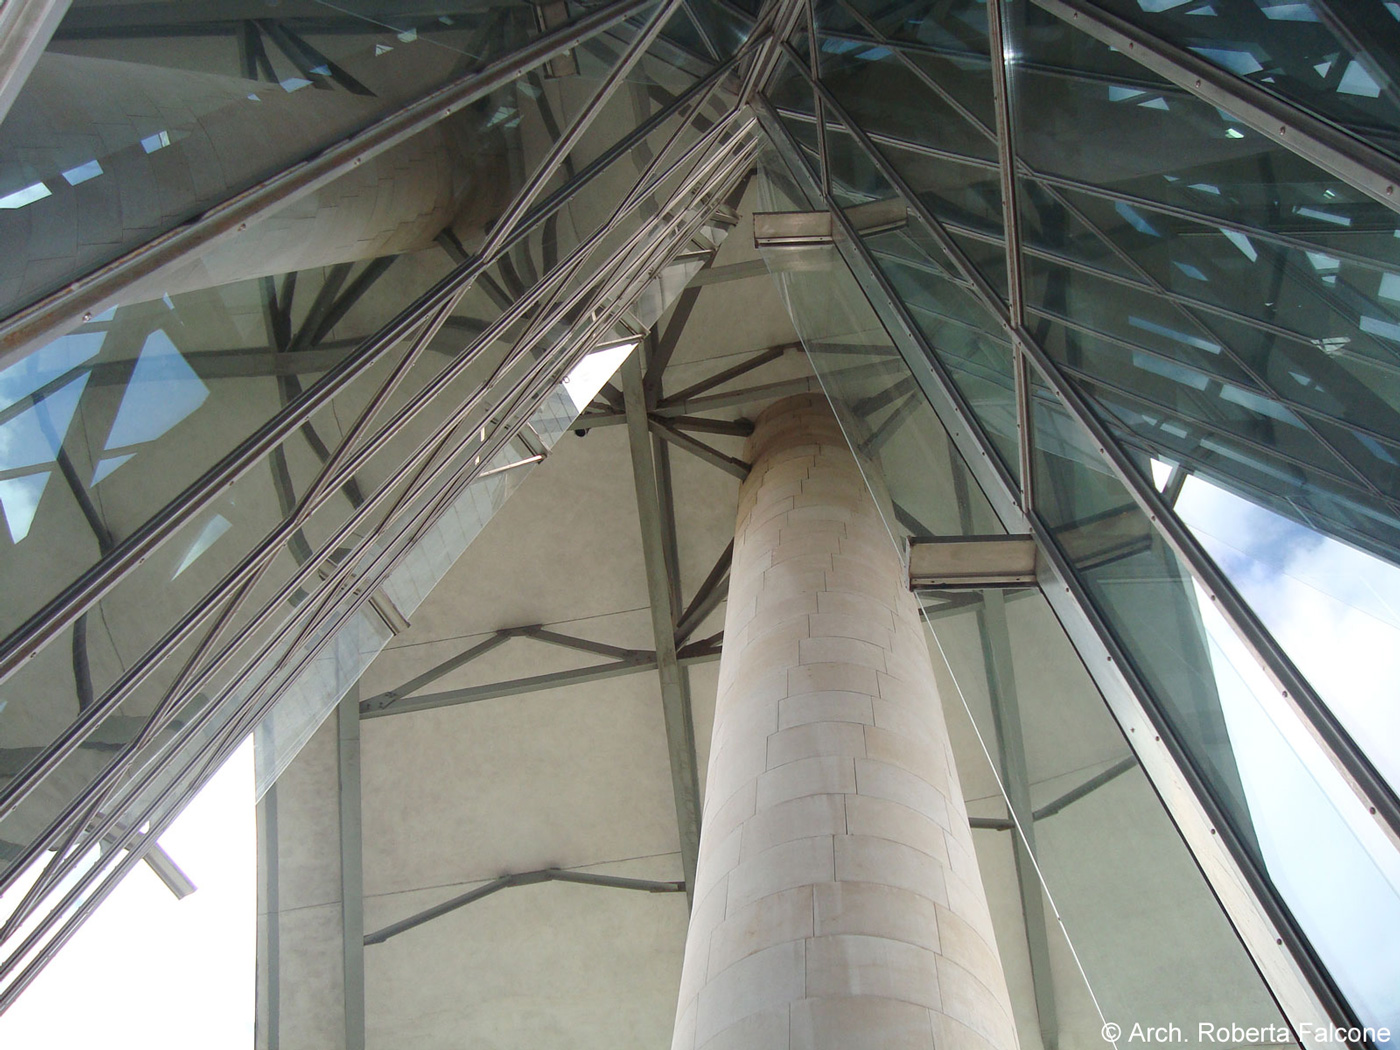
<point>335,472</point>
<point>266,686</point>
<point>525,878</point>
<point>418,491</point>
<point>147,784</point>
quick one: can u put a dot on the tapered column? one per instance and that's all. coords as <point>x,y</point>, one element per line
<point>838,903</point>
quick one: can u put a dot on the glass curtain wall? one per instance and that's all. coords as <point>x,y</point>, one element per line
<point>1123,291</point>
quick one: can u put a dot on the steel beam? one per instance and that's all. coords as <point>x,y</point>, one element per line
<point>87,296</point>
<point>614,288</point>
<point>544,171</point>
<point>707,597</point>
<point>526,878</point>
<point>269,852</point>
<point>758,360</point>
<point>1016,784</point>
<point>1351,159</point>
<point>1095,782</point>
<point>381,563</point>
<point>352,886</point>
<point>134,548</point>
<point>692,654</point>
<point>675,699</point>
<point>384,699</point>
<point>583,645</point>
<point>713,456</point>
<point>701,425</point>
<point>711,403</point>
<point>1371,789</point>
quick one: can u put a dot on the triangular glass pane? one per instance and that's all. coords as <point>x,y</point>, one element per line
<point>36,434</point>
<point>47,364</point>
<point>907,106</point>
<point>216,527</point>
<point>19,498</point>
<point>107,465</point>
<point>801,44</point>
<point>163,390</point>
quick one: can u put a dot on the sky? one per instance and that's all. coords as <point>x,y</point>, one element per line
<point>1336,612</point>
<point>147,971</point>
<point>1334,609</point>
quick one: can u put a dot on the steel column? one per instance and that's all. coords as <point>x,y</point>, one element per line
<point>352,883</point>
<point>675,692</point>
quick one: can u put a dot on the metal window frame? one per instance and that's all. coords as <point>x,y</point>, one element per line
<point>430,447</point>
<point>1335,150</point>
<point>35,325</point>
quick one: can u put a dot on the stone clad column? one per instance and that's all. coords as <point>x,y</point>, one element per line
<point>838,903</point>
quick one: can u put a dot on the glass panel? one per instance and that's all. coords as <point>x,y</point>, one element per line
<point>1338,59</point>
<point>888,96</point>
<point>1248,287</point>
<point>1334,609</point>
<point>85,664</point>
<point>962,334</point>
<point>1101,838</point>
<point>196,107</point>
<point>1307,831</point>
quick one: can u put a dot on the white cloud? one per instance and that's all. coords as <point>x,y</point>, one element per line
<point>1335,610</point>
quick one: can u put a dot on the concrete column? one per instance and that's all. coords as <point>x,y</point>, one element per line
<point>838,903</point>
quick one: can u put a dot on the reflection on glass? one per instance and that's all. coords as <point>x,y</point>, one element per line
<point>1337,59</point>
<point>1220,706</point>
<point>1218,298</point>
<point>172,385</point>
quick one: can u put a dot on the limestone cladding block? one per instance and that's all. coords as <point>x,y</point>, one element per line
<point>837,902</point>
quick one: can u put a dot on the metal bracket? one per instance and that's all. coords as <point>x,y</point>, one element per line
<point>795,229</point>
<point>972,561</point>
